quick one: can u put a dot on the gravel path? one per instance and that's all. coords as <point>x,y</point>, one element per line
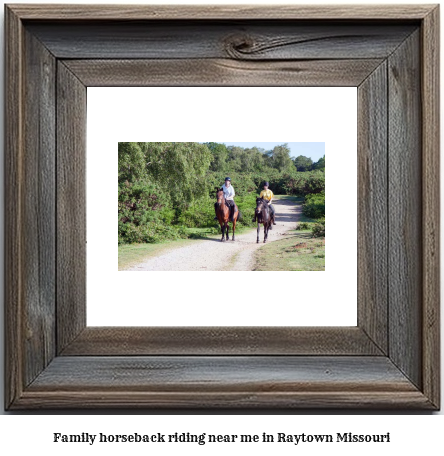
<point>213,255</point>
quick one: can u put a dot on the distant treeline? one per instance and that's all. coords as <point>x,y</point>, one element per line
<point>167,188</point>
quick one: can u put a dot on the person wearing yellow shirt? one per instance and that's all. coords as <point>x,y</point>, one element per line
<point>267,195</point>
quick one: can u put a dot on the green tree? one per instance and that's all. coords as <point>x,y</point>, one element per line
<point>281,158</point>
<point>234,159</point>
<point>257,160</point>
<point>320,164</point>
<point>219,156</point>
<point>131,162</point>
<point>178,168</point>
<point>303,163</point>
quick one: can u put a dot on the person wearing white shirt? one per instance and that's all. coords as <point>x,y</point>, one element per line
<point>229,194</point>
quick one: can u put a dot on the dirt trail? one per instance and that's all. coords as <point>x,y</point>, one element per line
<point>213,255</point>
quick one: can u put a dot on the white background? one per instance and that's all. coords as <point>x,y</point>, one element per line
<point>177,298</point>
<point>414,434</point>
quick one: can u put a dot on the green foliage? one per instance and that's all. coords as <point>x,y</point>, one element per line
<point>320,164</point>
<point>142,202</point>
<point>152,232</point>
<point>167,189</point>
<point>200,214</point>
<point>246,160</point>
<point>302,226</point>
<point>131,162</point>
<point>178,168</point>
<point>305,183</point>
<point>318,229</point>
<point>303,163</point>
<point>314,205</point>
<point>247,206</point>
<point>144,214</point>
<point>219,156</point>
<point>281,158</point>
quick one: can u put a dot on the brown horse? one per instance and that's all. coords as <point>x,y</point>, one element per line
<point>262,215</point>
<point>223,215</point>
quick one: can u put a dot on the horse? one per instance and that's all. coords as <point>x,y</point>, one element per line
<point>262,215</point>
<point>223,214</point>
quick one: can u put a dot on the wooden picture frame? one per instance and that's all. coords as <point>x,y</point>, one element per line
<point>390,360</point>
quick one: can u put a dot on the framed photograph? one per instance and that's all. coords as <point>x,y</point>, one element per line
<point>58,57</point>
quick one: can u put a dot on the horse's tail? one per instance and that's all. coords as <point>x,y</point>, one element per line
<point>239,216</point>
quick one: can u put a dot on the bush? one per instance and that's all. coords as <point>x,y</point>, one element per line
<point>318,229</point>
<point>151,233</point>
<point>144,214</point>
<point>305,183</point>
<point>143,202</point>
<point>304,226</point>
<point>200,214</point>
<point>314,205</point>
<point>247,206</point>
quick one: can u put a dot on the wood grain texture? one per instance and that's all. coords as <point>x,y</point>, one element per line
<point>194,376</point>
<point>13,207</point>
<point>225,400</point>
<point>258,40</point>
<point>219,12</point>
<point>405,209</point>
<point>210,373</point>
<point>127,341</point>
<point>220,72</point>
<point>372,207</point>
<point>39,207</point>
<point>71,206</point>
<point>208,381</point>
<point>431,205</point>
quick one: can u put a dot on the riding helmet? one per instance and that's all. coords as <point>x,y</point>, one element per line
<point>266,184</point>
<point>227,179</point>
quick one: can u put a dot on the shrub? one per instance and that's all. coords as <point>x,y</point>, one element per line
<point>151,233</point>
<point>318,229</point>
<point>314,205</point>
<point>304,226</point>
<point>247,206</point>
<point>144,214</point>
<point>304,183</point>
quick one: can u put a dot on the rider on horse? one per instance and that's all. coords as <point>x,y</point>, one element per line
<point>267,195</point>
<point>229,197</point>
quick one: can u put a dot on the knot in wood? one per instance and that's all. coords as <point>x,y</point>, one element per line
<point>239,45</point>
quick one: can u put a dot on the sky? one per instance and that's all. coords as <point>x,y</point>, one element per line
<point>314,150</point>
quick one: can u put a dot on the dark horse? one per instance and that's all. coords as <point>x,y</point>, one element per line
<point>262,215</point>
<point>223,214</point>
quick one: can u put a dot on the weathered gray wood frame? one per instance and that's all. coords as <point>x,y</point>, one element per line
<point>390,360</point>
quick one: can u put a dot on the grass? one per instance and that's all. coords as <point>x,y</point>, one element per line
<point>299,252</point>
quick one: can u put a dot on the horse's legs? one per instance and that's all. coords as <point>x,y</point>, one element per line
<point>228,229</point>
<point>265,232</point>
<point>223,232</point>
<point>258,231</point>
<point>234,227</point>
